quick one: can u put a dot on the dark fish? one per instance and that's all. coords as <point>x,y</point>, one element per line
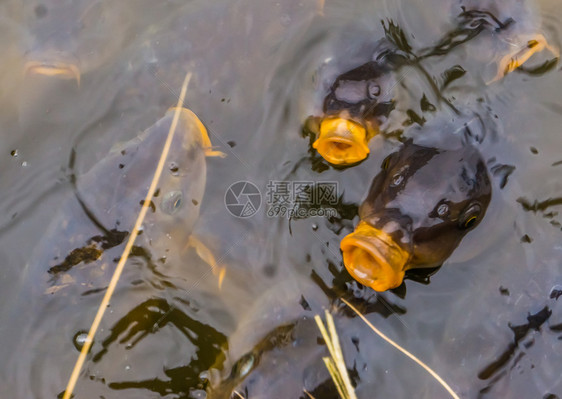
<point>353,108</point>
<point>273,333</point>
<point>418,209</point>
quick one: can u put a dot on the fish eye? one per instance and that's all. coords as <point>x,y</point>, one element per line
<point>470,216</point>
<point>397,179</point>
<point>172,202</point>
<point>443,210</point>
<point>244,365</point>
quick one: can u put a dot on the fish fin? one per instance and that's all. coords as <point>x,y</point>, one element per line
<point>206,141</point>
<point>209,152</point>
<point>510,62</point>
<point>207,145</point>
<point>208,257</point>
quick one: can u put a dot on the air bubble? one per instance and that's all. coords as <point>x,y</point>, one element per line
<point>174,168</point>
<point>80,339</point>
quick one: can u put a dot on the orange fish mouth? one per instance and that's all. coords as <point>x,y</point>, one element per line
<point>60,70</point>
<point>373,258</point>
<point>342,141</point>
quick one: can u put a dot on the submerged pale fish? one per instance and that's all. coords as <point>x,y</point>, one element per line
<point>70,269</point>
<point>517,35</point>
<point>85,238</point>
<point>68,38</point>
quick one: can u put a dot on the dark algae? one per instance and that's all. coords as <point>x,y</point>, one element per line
<point>496,369</point>
<point>146,320</point>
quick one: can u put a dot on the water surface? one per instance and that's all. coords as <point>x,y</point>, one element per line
<point>489,322</point>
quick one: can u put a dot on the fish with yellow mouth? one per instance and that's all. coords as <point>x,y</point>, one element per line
<point>418,209</point>
<point>353,109</point>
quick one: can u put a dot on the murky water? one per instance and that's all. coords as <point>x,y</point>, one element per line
<point>489,321</point>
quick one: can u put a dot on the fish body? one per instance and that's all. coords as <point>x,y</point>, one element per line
<point>154,302</point>
<point>513,35</point>
<point>275,330</point>
<point>86,237</point>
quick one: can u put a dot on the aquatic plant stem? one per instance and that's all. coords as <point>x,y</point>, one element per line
<point>404,351</point>
<point>119,269</point>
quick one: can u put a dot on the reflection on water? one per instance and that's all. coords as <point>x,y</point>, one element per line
<point>148,318</point>
<point>488,321</point>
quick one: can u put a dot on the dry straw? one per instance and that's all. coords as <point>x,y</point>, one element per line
<point>404,351</point>
<point>335,364</point>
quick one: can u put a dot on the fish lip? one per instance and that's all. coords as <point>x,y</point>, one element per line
<point>342,141</point>
<point>38,64</point>
<point>386,260</point>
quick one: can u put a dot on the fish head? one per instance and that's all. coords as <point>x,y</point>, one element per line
<point>418,209</point>
<point>68,38</point>
<point>353,110</point>
<point>179,193</point>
